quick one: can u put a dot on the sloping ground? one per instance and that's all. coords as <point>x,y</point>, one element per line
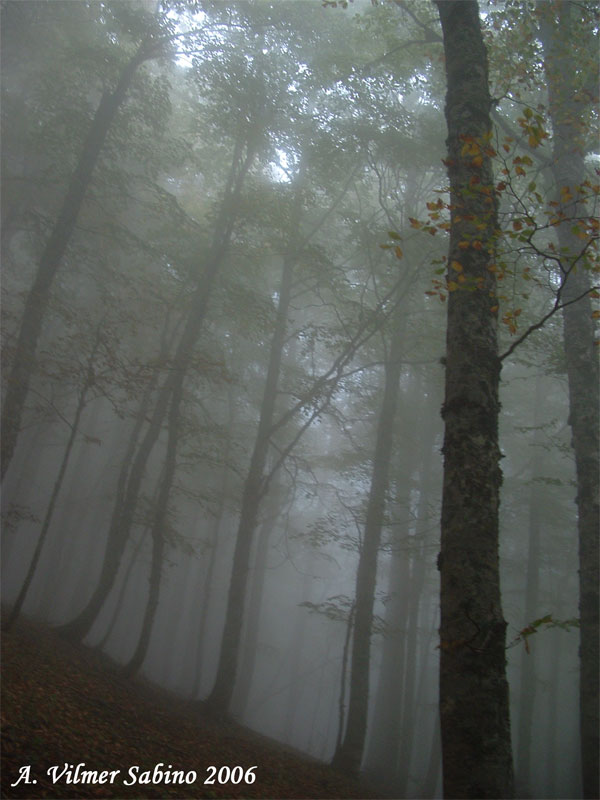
<point>64,704</point>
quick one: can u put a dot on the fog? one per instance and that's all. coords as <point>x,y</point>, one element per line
<point>224,233</point>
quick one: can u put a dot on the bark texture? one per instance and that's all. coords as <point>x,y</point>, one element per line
<point>474,713</point>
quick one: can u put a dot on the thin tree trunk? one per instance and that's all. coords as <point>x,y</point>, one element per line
<point>127,498</point>
<point>80,625</point>
<point>254,490</point>
<point>553,726</point>
<point>207,584</point>
<point>382,750</point>
<point>88,382</point>
<point>474,709</point>
<point>348,756</point>
<point>52,256</point>
<point>528,679</point>
<point>568,167</point>
<point>158,533</point>
<point>297,650</point>
<point>122,590</point>
<point>343,673</point>
<point>248,662</point>
<point>430,781</point>
<point>257,482</point>
<point>417,581</point>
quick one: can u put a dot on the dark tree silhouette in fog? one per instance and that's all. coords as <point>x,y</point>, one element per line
<point>476,746</point>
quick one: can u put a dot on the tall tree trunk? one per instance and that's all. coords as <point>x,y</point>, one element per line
<point>88,382</point>
<point>343,673</point>
<point>255,598</point>
<point>528,679</point>
<point>207,587</point>
<point>51,259</point>
<point>382,750</point>
<point>550,741</point>
<point>81,624</point>
<point>121,596</point>
<point>127,496</point>
<point>413,611</point>
<point>348,756</point>
<point>254,490</point>
<point>207,583</point>
<point>391,735</point>
<point>158,533</point>
<point>430,779</point>
<point>566,112</point>
<point>383,740</point>
<point>474,710</point>
<point>297,652</point>
<point>79,505</point>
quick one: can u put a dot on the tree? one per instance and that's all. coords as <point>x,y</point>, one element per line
<point>348,756</point>
<point>244,154</point>
<point>476,746</point>
<point>569,96</point>
<point>58,241</point>
<point>88,381</point>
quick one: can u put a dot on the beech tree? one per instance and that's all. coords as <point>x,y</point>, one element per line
<point>569,95</point>
<point>150,47</point>
<point>249,251</point>
<point>474,714</point>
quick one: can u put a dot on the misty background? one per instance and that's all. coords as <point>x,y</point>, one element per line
<point>247,302</point>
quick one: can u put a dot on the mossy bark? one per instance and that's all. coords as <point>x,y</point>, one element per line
<point>474,712</point>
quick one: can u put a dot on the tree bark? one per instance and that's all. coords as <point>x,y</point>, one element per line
<point>474,711</point>
<point>568,167</point>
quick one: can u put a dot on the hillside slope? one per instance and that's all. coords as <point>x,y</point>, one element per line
<point>64,704</point>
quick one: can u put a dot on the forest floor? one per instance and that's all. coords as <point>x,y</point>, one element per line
<point>66,704</point>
